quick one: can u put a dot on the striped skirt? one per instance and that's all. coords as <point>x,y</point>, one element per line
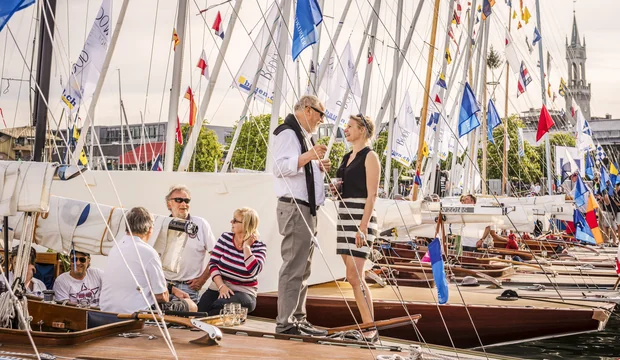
<point>350,212</point>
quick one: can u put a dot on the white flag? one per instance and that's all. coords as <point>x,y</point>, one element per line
<point>584,133</point>
<point>265,87</point>
<point>521,145</point>
<point>511,54</point>
<point>406,134</point>
<point>347,77</point>
<point>86,70</point>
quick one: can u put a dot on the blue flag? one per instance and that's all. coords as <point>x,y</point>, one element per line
<point>418,179</point>
<point>10,7</point>
<point>157,164</point>
<point>537,36</point>
<point>468,120</point>
<point>581,192</point>
<point>589,166</point>
<point>439,273</point>
<point>307,17</point>
<point>493,120</point>
<point>582,230</point>
<point>604,178</point>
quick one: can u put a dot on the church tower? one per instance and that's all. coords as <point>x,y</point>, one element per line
<point>578,86</point>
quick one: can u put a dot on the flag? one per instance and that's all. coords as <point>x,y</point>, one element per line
<point>418,179</point>
<point>545,122</point>
<point>370,57</point>
<point>85,72</point>
<point>468,120</point>
<point>584,133</point>
<point>179,133</point>
<point>433,120</point>
<point>521,145</point>
<point>524,79</point>
<point>600,153</point>
<point>514,14</point>
<point>425,150</point>
<point>613,176</point>
<point>486,8</point>
<point>448,56</point>
<point>549,64</point>
<point>548,89</point>
<point>525,16</point>
<point>537,36</point>
<point>529,47</point>
<point>581,193</point>
<point>573,107</point>
<point>493,120</point>
<point>76,137</point>
<point>456,18</point>
<point>442,81</point>
<point>175,39</point>
<point>591,219</point>
<point>511,53</point>
<point>589,166</point>
<point>439,274</point>
<point>405,137</point>
<point>307,17</point>
<point>202,65</point>
<point>569,166</point>
<point>582,230</point>
<point>189,95</point>
<point>563,89</point>
<point>10,7</point>
<point>218,26</point>
<point>519,26</point>
<point>157,164</point>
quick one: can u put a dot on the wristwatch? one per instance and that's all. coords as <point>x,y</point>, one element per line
<point>170,286</point>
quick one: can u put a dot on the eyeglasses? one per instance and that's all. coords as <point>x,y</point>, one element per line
<point>319,111</point>
<point>235,221</point>
<point>180,200</point>
<point>81,259</point>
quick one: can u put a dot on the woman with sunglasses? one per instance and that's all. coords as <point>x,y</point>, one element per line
<point>236,260</point>
<point>357,223</point>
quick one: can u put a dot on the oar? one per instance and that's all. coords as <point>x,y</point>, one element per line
<point>379,324</point>
<point>206,324</point>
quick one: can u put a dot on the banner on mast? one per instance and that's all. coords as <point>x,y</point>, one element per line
<point>406,134</point>
<point>86,70</point>
<point>565,155</point>
<point>347,78</point>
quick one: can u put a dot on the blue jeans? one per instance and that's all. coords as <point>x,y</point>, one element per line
<point>210,303</point>
<point>193,294</point>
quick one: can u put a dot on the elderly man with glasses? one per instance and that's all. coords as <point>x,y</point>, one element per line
<point>298,170</point>
<point>193,272</point>
<point>82,284</point>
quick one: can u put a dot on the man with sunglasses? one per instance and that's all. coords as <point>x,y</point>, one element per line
<point>82,284</point>
<point>298,170</point>
<point>193,272</point>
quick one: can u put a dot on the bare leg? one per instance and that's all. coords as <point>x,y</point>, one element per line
<point>363,297</point>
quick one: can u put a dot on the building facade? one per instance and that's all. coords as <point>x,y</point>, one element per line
<point>578,86</point>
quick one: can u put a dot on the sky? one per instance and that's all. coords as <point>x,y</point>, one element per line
<point>145,79</point>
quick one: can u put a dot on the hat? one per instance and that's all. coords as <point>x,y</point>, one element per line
<point>469,281</point>
<point>74,252</point>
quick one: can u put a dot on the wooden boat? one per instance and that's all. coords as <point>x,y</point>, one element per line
<point>495,321</point>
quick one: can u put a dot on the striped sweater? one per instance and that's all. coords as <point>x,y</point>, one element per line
<point>231,264</point>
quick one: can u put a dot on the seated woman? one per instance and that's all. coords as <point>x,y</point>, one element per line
<point>237,259</point>
<point>32,285</point>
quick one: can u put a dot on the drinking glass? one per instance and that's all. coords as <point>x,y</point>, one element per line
<point>227,316</point>
<point>336,187</point>
<point>243,315</point>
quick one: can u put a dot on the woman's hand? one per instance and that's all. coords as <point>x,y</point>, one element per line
<point>250,240</point>
<point>225,292</point>
<point>361,236</point>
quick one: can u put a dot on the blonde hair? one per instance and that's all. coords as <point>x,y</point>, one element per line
<point>250,221</point>
<point>364,121</point>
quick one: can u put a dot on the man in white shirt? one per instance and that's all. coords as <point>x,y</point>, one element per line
<point>193,272</point>
<point>140,282</point>
<point>32,285</point>
<point>82,284</point>
<point>298,170</point>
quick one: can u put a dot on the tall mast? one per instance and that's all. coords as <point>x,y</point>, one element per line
<point>371,49</point>
<point>284,52</point>
<point>330,48</point>
<point>505,153</point>
<point>315,56</point>
<point>204,104</point>
<point>175,91</point>
<point>427,86</point>
<point>483,131</point>
<point>388,158</point>
<point>544,98</point>
<point>90,116</point>
<point>43,76</point>
<point>121,160</point>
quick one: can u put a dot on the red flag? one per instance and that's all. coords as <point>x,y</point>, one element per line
<point>202,65</point>
<point>217,26</point>
<point>370,57</point>
<point>1,113</point>
<point>545,122</point>
<point>175,38</point>
<point>189,95</point>
<point>179,133</point>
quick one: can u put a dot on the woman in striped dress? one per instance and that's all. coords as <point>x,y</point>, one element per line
<point>357,223</point>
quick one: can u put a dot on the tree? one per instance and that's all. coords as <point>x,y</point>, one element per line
<point>335,156</point>
<point>525,168</point>
<point>251,149</point>
<point>380,146</point>
<point>208,151</point>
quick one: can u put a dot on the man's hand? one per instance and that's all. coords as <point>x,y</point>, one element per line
<point>179,293</point>
<point>325,165</point>
<point>317,152</point>
<point>196,284</point>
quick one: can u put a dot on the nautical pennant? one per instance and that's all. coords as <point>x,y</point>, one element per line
<point>178,132</point>
<point>468,120</point>
<point>189,95</point>
<point>307,17</point>
<point>448,56</point>
<point>157,164</point>
<point>525,16</point>
<point>370,57</point>
<point>442,81</point>
<point>175,39</point>
<point>524,79</point>
<point>202,65</point>
<point>589,166</point>
<point>218,26</point>
<point>563,89</point>
<point>493,120</point>
<point>545,122</point>
<point>537,36</point>
<point>521,144</point>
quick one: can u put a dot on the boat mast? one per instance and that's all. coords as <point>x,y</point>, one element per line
<point>175,91</point>
<point>427,85</point>
<point>44,64</point>
<point>90,115</point>
<point>315,56</point>
<point>444,66</point>
<point>483,132</point>
<point>371,50</point>
<point>206,99</point>
<point>120,109</point>
<point>544,98</point>
<point>505,154</point>
<point>330,49</point>
<point>388,158</point>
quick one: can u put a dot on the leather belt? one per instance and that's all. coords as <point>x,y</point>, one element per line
<point>290,200</point>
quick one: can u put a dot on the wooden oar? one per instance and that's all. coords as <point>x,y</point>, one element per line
<point>379,324</point>
<point>213,336</point>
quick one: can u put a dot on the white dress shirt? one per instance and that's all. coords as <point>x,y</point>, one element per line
<point>291,180</point>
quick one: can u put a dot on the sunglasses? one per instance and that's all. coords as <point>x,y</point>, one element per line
<point>319,111</point>
<point>235,221</point>
<point>81,259</point>
<point>181,200</point>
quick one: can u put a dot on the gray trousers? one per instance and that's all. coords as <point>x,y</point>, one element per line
<point>296,253</point>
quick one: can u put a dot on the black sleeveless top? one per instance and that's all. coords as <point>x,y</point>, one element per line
<point>354,176</point>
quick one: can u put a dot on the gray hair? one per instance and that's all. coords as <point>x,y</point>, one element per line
<point>307,100</point>
<point>139,221</point>
<point>178,187</point>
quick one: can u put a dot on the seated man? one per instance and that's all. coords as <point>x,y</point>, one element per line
<point>126,281</point>
<point>82,284</point>
<point>32,285</point>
